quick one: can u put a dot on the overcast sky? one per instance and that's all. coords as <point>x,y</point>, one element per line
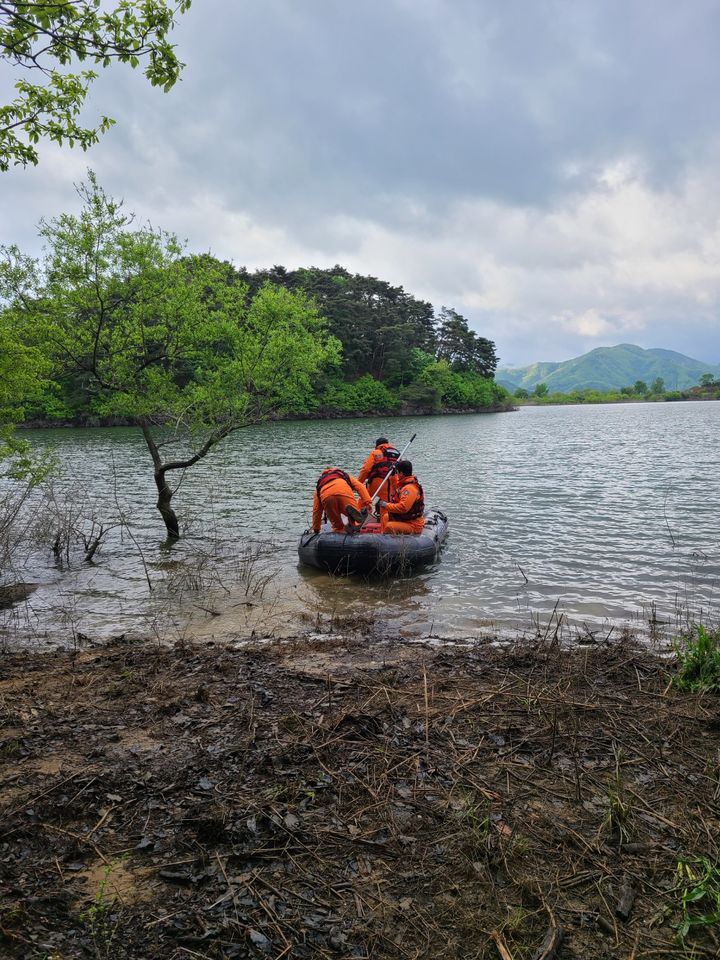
<point>549,168</point>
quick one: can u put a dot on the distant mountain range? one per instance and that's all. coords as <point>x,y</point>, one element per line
<point>610,368</point>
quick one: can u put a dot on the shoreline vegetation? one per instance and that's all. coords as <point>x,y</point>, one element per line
<point>640,392</point>
<point>346,794</point>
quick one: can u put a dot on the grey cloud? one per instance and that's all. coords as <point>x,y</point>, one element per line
<point>330,122</point>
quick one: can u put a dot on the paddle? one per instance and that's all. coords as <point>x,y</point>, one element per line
<point>391,471</point>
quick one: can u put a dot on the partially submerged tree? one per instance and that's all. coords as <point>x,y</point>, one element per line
<point>45,41</point>
<point>173,343</point>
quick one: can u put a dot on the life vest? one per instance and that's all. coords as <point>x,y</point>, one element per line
<point>417,509</point>
<point>331,475</point>
<point>381,468</point>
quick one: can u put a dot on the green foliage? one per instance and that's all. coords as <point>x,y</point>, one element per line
<point>366,395</point>
<point>462,348</point>
<point>48,40</point>
<point>135,329</point>
<point>379,325</point>
<point>617,821</point>
<point>698,888</point>
<point>541,390</point>
<point>149,333</point>
<point>385,332</point>
<point>100,919</point>
<point>658,385</point>
<point>640,388</point>
<point>422,396</point>
<point>418,361</point>
<point>521,393</point>
<point>372,395</point>
<point>160,338</point>
<point>22,373</point>
<point>698,660</point>
<point>459,390</point>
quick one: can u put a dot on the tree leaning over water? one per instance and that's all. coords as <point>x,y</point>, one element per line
<point>46,40</point>
<point>174,343</point>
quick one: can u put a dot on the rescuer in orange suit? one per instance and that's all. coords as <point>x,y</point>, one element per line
<point>405,512</point>
<point>378,463</point>
<point>335,495</point>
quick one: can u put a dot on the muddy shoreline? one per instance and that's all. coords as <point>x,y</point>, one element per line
<point>351,796</point>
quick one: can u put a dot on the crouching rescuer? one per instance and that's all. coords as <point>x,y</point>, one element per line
<point>405,512</point>
<point>335,496</point>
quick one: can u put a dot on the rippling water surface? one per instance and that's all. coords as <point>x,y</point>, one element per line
<point>602,513</point>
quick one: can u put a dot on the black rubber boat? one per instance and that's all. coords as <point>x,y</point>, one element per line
<point>372,552</point>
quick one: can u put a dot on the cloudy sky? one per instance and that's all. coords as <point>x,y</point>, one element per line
<point>549,168</point>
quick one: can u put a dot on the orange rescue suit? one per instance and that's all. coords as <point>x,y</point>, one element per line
<point>407,497</point>
<point>375,457</point>
<point>334,497</point>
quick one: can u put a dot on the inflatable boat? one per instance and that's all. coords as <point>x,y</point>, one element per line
<point>370,552</point>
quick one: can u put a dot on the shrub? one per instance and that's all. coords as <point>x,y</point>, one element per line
<point>363,396</point>
<point>421,395</point>
<point>370,395</point>
<point>698,656</point>
<point>698,885</point>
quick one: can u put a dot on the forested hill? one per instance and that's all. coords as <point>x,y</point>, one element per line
<point>610,368</point>
<point>380,326</point>
<point>385,350</point>
<point>397,351</point>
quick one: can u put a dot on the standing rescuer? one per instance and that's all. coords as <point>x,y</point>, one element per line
<point>335,495</point>
<point>405,512</point>
<point>378,464</point>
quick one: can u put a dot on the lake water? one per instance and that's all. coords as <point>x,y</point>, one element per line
<point>607,515</point>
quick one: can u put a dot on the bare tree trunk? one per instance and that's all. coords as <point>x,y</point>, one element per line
<point>163,504</point>
<point>165,493</point>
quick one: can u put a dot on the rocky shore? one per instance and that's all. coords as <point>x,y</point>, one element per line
<point>351,796</point>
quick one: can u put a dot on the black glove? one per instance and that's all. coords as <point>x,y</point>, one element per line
<point>380,504</point>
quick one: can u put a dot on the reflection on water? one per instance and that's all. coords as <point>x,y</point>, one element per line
<point>604,513</point>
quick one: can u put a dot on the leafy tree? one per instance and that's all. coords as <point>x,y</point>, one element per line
<point>366,395</point>
<point>378,324</point>
<point>174,343</point>
<point>418,361</point>
<point>461,390</point>
<point>541,390</point>
<point>658,385</point>
<point>462,348</point>
<point>47,41</point>
<point>521,393</point>
<point>627,391</point>
<point>438,376</point>
<point>421,396</point>
<point>21,378</point>
<point>19,368</point>
<point>707,380</point>
<point>385,332</point>
<point>640,388</point>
